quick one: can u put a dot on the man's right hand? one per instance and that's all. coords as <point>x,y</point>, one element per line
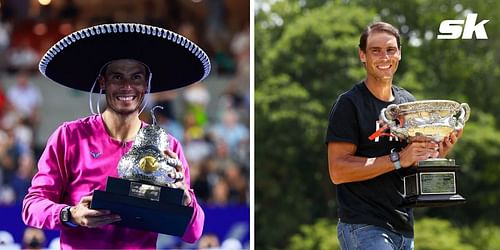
<point>418,151</point>
<point>82,215</point>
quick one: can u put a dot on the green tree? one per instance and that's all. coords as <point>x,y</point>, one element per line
<point>482,236</point>
<point>296,80</point>
<point>438,234</point>
<point>322,235</point>
<point>430,234</point>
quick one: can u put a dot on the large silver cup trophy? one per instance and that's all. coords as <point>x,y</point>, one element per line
<point>147,162</point>
<point>434,181</point>
<point>145,195</point>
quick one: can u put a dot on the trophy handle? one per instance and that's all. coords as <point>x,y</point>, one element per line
<point>389,116</point>
<point>463,116</point>
<point>153,113</point>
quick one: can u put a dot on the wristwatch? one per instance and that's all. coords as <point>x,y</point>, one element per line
<point>394,157</point>
<point>66,217</point>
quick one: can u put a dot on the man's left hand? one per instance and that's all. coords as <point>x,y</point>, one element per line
<point>186,200</point>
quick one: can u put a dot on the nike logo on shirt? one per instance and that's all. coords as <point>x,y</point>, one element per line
<point>95,154</point>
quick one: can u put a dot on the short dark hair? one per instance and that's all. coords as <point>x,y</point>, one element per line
<point>378,27</point>
<point>104,68</point>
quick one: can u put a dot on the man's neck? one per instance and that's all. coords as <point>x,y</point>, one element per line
<point>121,127</point>
<point>380,88</point>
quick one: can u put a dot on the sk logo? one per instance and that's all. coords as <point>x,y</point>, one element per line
<point>452,29</point>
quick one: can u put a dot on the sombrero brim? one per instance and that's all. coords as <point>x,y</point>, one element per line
<point>76,59</point>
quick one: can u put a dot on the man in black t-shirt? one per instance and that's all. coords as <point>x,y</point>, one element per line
<point>369,184</point>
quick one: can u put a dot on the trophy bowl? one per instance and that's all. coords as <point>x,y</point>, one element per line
<point>146,161</point>
<point>430,118</point>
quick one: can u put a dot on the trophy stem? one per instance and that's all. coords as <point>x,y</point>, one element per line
<point>437,162</point>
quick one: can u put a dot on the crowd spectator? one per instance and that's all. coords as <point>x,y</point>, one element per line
<point>22,57</point>
<point>231,243</point>
<point>5,29</point>
<point>240,47</point>
<point>10,151</point>
<point>238,185</point>
<point>26,98</point>
<point>3,101</point>
<point>33,239</point>
<point>197,146</point>
<point>7,241</point>
<point>222,159</point>
<point>231,131</point>
<point>220,193</point>
<point>197,97</point>
<point>209,241</point>
<point>167,121</point>
<point>5,32</point>
<point>218,36</point>
<point>21,180</point>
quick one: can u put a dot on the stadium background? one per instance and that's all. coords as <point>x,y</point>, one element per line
<point>211,118</point>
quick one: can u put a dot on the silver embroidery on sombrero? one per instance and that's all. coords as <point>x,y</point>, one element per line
<point>120,28</point>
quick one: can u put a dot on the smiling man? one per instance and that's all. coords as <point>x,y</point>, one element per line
<point>366,166</point>
<point>125,83</point>
<point>80,155</point>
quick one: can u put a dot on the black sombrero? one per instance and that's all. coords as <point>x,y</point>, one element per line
<point>76,59</point>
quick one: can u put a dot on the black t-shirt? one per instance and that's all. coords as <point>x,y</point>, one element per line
<point>353,118</point>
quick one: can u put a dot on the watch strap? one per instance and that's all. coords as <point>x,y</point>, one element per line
<point>65,212</point>
<point>394,157</point>
<point>397,165</point>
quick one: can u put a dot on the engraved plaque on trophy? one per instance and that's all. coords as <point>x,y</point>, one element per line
<point>144,195</point>
<point>434,181</point>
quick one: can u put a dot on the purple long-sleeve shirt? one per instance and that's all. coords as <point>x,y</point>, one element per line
<point>77,160</point>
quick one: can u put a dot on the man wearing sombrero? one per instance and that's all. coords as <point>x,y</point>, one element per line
<point>125,62</point>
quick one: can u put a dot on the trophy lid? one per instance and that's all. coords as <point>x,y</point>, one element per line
<point>152,135</point>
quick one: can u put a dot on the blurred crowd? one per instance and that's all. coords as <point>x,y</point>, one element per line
<point>213,127</point>
<point>19,119</point>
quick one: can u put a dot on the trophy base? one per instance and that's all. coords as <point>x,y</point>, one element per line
<point>161,211</point>
<point>432,184</point>
<point>438,200</point>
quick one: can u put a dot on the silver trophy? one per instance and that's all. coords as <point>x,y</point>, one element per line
<point>146,160</point>
<point>434,181</point>
<point>145,195</point>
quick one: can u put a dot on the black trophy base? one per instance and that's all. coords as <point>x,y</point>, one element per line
<point>161,212</point>
<point>432,184</point>
<point>436,200</point>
